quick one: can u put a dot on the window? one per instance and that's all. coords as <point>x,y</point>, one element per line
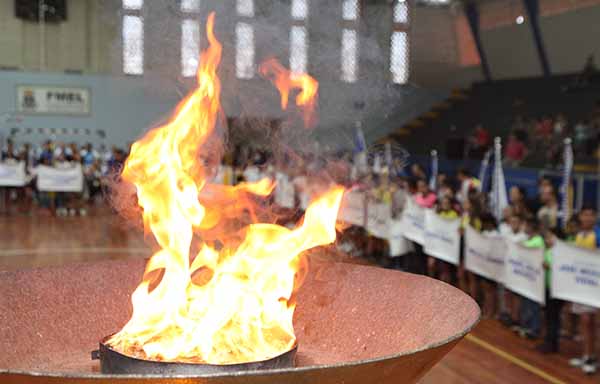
<point>349,55</point>
<point>190,47</point>
<point>298,50</point>
<point>349,51</point>
<point>350,10</point>
<point>399,55</point>
<point>399,44</point>
<point>244,48</point>
<point>133,45</point>
<point>401,12</point>
<point>190,5</point>
<point>244,40</point>
<point>135,5</point>
<point>190,37</point>
<point>299,37</point>
<point>299,9</point>
<point>245,8</point>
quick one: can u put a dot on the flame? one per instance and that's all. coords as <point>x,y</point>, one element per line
<point>285,80</point>
<point>231,303</point>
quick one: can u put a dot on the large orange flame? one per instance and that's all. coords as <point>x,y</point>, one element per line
<point>229,304</point>
<point>284,80</point>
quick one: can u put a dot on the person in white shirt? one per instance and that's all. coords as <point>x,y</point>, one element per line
<point>509,315</point>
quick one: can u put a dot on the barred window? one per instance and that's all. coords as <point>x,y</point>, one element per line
<point>190,47</point>
<point>349,55</point>
<point>190,5</point>
<point>299,9</point>
<point>244,48</point>
<point>133,45</point>
<point>298,49</point>
<point>399,57</point>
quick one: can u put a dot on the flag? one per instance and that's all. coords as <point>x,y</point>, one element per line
<point>565,209</point>
<point>499,198</point>
<point>434,170</point>
<point>484,168</point>
<point>360,148</point>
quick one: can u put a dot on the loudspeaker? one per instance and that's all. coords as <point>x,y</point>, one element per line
<point>55,11</point>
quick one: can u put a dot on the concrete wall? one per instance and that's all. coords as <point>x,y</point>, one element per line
<point>84,42</point>
<point>122,106</point>
<point>89,41</point>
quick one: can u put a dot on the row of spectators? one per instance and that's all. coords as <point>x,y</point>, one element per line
<point>534,221</point>
<point>542,137</point>
<point>96,164</point>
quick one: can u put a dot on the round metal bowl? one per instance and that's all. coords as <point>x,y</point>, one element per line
<point>115,362</point>
<point>354,324</point>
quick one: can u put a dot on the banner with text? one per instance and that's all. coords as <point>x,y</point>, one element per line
<point>352,210</point>
<point>13,174</point>
<point>42,99</point>
<point>284,191</point>
<point>442,239</point>
<point>413,221</point>
<point>379,216</point>
<point>51,179</point>
<point>399,245</point>
<point>525,273</point>
<point>480,256</point>
<point>576,274</point>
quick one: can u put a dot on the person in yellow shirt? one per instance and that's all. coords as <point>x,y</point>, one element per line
<point>445,209</point>
<point>587,237</point>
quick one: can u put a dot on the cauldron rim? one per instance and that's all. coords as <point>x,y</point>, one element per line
<point>278,371</point>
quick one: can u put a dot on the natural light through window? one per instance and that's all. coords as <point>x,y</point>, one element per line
<point>245,8</point>
<point>349,55</point>
<point>133,4</point>
<point>190,5</point>
<point>244,48</point>
<point>190,47</point>
<point>399,57</point>
<point>133,45</point>
<point>298,49</point>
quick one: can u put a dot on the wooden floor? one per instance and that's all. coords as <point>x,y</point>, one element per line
<point>491,354</point>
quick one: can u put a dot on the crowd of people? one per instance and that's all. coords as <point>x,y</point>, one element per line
<point>534,221</point>
<point>542,137</point>
<point>97,165</point>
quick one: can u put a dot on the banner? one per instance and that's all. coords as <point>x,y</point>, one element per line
<point>480,256</point>
<point>352,210</point>
<point>379,216</point>
<point>413,220</point>
<point>51,179</point>
<point>399,245</point>
<point>37,99</point>
<point>284,191</point>
<point>524,272</point>
<point>13,174</point>
<point>442,239</point>
<point>576,274</point>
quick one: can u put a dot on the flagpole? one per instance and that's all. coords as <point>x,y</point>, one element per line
<point>434,170</point>
<point>566,182</point>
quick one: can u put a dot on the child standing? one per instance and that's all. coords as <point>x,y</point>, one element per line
<point>587,237</point>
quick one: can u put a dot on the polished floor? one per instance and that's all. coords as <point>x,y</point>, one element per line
<point>491,354</point>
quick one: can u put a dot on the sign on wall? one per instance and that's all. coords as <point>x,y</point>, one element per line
<point>40,99</point>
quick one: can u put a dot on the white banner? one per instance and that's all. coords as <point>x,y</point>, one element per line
<point>413,220</point>
<point>399,245</point>
<point>13,174</point>
<point>51,179</point>
<point>524,272</point>
<point>37,99</point>
<point>352,210</point>
<point>284,191</point>
<point>576,274</point>
<point>442,239</point>
<point>480,256</point>
<point>379,216</point>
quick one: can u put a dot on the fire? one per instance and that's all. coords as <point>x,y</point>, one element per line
<point>234,301</point>
<point>284,80</point>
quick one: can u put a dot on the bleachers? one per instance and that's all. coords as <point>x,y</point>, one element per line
<point>495,105</point>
